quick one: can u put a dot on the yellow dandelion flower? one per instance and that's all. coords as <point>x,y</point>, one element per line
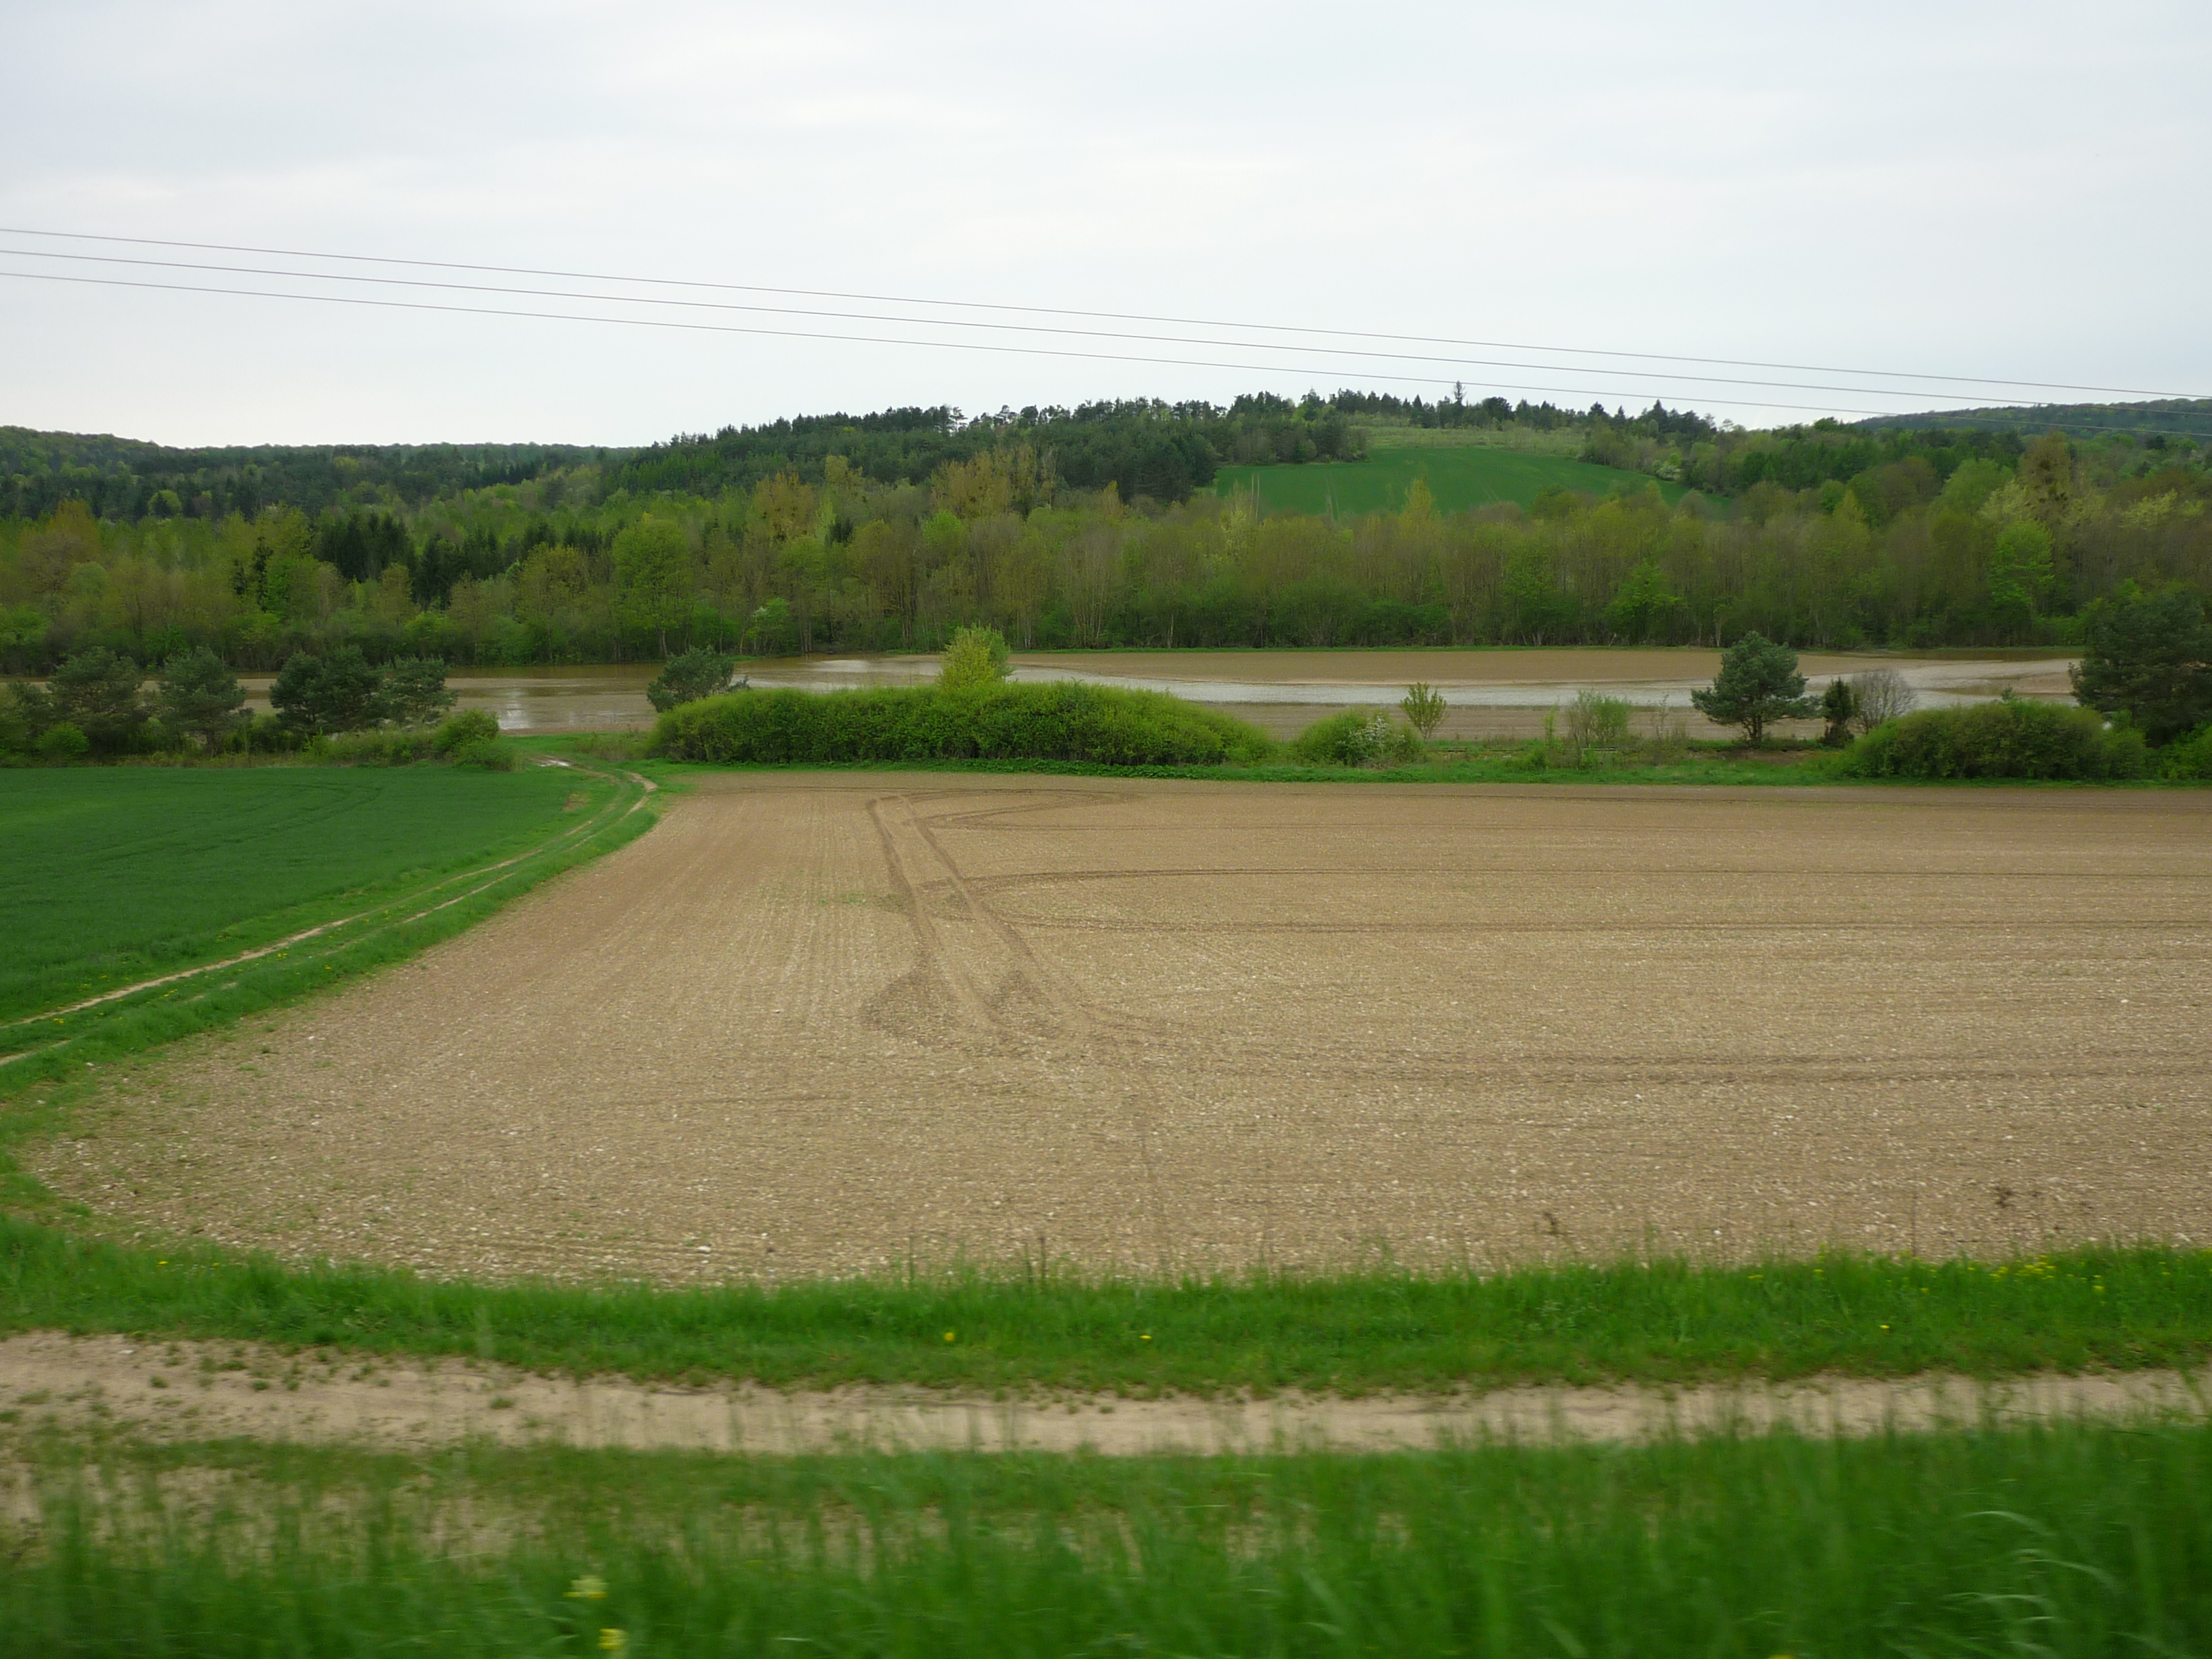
<point>951,1337</point>
<point>613,1641</point>
<point>589,1589</point>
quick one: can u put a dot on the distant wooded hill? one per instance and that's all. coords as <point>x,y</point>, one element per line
<point>2183,417</point>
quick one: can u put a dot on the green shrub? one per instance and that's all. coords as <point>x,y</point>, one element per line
<point>489,753</point>
<point>686,678</point>
<point>2012,738</point>
<point>2189,758</point>
<point>1357,737</point>
<point>610,745</point>
<point>1597,725</point>
<point>1351,737</point>
<point>459,731</point>
<point>1070,721</point>
<point>263,734</point>
<point>2127,753</point>
<point>974,657</point>
<point>63,743</point>
<point>387,748</point>
<point>1424,706</point>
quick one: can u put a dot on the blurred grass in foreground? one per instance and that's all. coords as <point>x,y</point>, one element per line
<point>2062,1540</point>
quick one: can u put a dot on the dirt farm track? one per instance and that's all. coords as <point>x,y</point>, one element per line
<point>821,1022</point>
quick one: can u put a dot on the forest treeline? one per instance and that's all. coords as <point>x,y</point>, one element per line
<point>1847,538</point>
<point>1145,449</point>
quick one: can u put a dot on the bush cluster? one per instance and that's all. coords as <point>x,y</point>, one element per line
<point>470,738</point>
<point>1100,725</point>
<point>2012,738</point>
<point>2190,759</point>
<point>1356,737</point>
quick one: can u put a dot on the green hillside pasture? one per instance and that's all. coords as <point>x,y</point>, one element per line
<point>118,875</point>
<point>2054,1540</point>
<point>1459,477</point>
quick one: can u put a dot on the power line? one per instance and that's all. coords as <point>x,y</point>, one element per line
<point>1306,372</point>
<point>1102,316</point>
<point>813,334</point>
<point>932,322</point>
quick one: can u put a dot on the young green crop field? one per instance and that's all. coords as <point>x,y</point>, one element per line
<point>119,875</point>
<point>1459,477</point>
<point>2054,1540</point>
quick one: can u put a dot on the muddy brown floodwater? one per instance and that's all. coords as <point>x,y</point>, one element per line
<point>820,1024</point>
<point>1488,693</point>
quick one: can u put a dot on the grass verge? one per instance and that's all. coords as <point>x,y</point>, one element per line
<point>2060,1539</point>
<point>1661,1323</point>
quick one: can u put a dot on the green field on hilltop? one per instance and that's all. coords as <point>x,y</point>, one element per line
<point>1459,476</point>
<point>2053,1540</point>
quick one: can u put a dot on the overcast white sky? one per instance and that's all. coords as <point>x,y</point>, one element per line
<point>2007,189</point>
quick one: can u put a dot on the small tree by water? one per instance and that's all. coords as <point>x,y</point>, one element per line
<point>1424,709</point>
<point>974,657</point>
<point>1758,683</point>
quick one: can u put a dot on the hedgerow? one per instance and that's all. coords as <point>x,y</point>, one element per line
<point>2012,738</point>
<point>1070,721</point>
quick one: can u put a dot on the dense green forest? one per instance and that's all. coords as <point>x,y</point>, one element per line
<point>1084,528</point>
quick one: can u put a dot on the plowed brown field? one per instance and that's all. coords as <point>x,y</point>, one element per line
<point>821,1022</point>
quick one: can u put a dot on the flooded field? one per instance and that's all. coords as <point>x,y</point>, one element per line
<point>1487,693</point>
<point>829,1022</point>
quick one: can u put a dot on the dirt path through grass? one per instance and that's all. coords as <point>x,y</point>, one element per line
<point>219,1390</point>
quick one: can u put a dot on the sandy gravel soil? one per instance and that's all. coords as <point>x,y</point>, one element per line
<point>826,1023</point>
<point>213,1391</point>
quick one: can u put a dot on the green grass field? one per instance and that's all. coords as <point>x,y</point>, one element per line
<point>1459,477</point>
<point>2053,1541</point>
<point>118,875</point>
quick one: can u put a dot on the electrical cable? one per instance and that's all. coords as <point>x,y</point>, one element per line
<point>1108,316</point>
<point>942,345</point>
<point>932,322</point>
<point>1303,371</point>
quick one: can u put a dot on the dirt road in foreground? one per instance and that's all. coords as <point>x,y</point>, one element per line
<point>822,1023</point>
<point>203,1391</point>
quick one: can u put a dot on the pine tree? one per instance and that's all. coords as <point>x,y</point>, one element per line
<point>1758,683</point>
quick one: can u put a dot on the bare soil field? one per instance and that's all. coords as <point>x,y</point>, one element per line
<point>828,1023</point>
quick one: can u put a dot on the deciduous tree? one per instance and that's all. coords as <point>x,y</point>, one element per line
<point>974,657</point>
